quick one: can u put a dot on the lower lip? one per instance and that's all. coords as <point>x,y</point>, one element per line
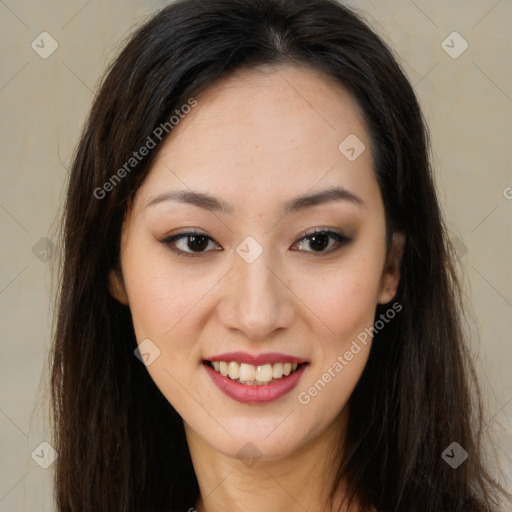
<point>254,394</point>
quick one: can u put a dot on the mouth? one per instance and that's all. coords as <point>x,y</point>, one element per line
<point>255,375</point>
<point>268,379</point>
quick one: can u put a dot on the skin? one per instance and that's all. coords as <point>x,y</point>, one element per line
<point>258,139</point>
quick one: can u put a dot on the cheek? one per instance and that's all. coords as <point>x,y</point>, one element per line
<point>348,304</point>
<point>161,299</point>
<point>345,304</point>
<point>344,298</point>
<point>164,306</point>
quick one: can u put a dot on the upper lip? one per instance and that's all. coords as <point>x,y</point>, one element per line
<point>257,360</point>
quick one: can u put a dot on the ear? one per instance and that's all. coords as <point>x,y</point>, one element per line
<point>116,286</point>
<point>391,273</point>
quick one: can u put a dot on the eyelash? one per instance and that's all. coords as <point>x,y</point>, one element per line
<point>338,237</point>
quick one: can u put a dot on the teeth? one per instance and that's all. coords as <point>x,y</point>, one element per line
<point>233,370</point>
<point>277,372</point>
<point>254,375</point>
<point>264,373</point>
<point>247,372</point>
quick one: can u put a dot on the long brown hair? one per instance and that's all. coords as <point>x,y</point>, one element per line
<point>121,444</point>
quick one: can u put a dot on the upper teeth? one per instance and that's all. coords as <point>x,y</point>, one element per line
<point>250,374</point>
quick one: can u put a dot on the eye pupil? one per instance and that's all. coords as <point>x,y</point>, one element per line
<point>197,242</point>
<point>319,241</point>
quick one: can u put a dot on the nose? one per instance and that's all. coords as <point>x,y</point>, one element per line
<point>257,301</point>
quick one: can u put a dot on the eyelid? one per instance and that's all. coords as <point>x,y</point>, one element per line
<point>314,231</point>
<point>332,232</point>
<point>186,231</point>
<point>169,240</point>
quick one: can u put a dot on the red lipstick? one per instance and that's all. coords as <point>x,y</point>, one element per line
<point>256,394</point>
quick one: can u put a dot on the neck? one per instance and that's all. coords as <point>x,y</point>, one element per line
<point>300,481</point>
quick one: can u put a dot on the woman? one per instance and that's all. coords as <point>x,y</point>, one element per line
<point>259,309</point>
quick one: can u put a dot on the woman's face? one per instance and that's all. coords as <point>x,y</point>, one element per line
<point>263,161</point>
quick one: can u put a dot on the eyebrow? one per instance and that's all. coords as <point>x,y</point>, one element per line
<point>325,196</point>
<point>216,204</point>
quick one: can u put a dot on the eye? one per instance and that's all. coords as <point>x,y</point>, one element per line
<point>194,243</point>
<point>191,243</point>
<point>322,240</point>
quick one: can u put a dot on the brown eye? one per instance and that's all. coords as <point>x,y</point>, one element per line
<point>319,242</point>
<point>197,242</point>
<point>322,241</point>
<point>191,243</point>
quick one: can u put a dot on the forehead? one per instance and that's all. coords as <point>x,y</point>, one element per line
<point>265,130</point>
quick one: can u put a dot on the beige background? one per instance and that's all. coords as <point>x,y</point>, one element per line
<point>466,100</point>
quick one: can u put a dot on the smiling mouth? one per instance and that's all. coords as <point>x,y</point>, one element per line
<point>251,375</point>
